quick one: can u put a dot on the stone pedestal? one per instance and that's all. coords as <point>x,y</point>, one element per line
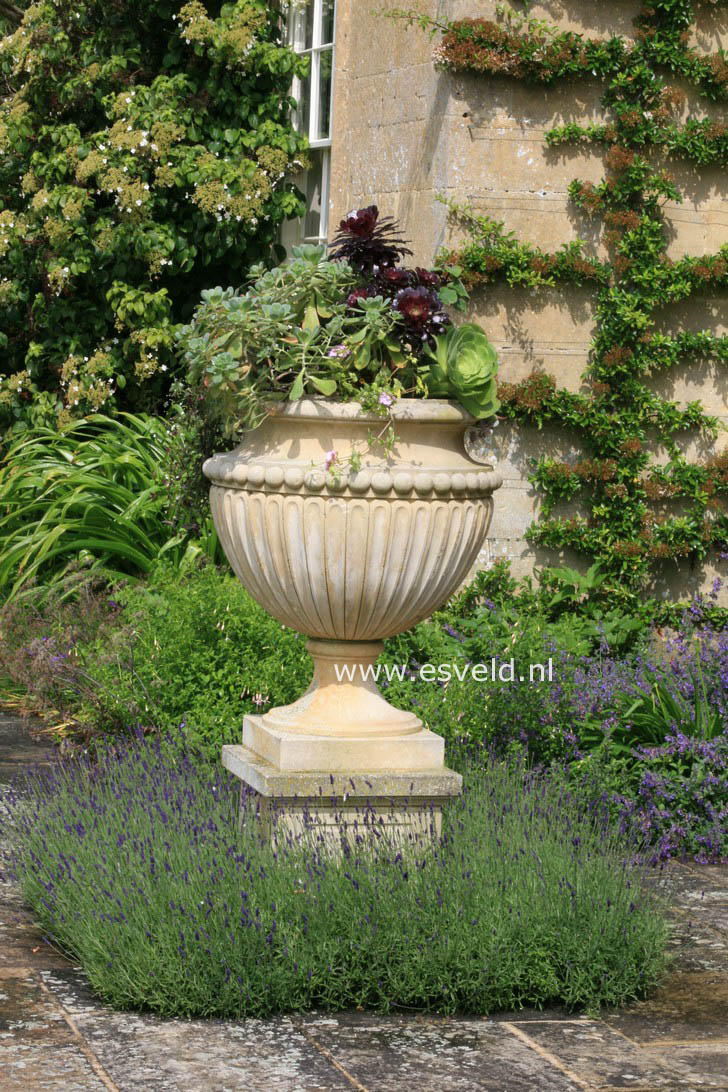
<point>344,789</point>
<point>348,558</point>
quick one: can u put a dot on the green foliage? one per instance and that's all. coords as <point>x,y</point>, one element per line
<point>646,720</point>
<point>635,514</point>
<point>463,366</point>
<point>91,494</point>
<point>143,148</point>
<point>572,610</point>
<point>674,792</point>
<point>526,900</point>
<point>290,334</point>
<point>534,643</point>
<point>316,326</point>
<point>191,647</point>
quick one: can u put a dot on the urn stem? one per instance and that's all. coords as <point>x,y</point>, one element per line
<point>343,700</point>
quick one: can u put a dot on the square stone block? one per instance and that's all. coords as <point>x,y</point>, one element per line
<point>406,807</point>
<point>299,752</point>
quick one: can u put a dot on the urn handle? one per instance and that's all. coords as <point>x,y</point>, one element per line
<point>478,443</point>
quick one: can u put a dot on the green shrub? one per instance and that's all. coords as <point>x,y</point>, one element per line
<point>159,658</point>
<point>675,794</point>
<point>143,148</point>
<point>191,647</point>
<point>138,869</point>
<point>196,650</point>
<point>91,493</point>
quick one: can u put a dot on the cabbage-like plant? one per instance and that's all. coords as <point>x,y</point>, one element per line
<point>463,365</point>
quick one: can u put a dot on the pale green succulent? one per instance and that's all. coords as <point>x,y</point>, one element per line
<point>463,365</point>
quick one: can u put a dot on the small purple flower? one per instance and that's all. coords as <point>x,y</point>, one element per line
<point>339,351</point>
<point>385,399</point>
<point>330,458</point>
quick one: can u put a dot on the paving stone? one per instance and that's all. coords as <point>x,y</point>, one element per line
<point>394,1053</point>
<point>21,746</point>
<point>142,1051</point>
<point>691,1005</point>
<point>602,1058</point>
<point>146,1054</point>
<point>711,915</point>
<point>27,1014</point>
<point>71,988</point>
<point>49,1068</point>
<point>528,1016</point>
<point>707,881</point>
<point>22,944</point>
<point>704,1065</point>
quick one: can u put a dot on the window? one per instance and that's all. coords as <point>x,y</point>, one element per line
<point>310,31</point>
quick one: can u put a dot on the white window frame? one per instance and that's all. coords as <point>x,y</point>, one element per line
<point>293,231</point>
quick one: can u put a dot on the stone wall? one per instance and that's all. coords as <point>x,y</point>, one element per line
<point>404,133</point>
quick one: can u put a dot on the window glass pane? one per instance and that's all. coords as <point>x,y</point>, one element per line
<point>295,28</point>
<point>327,22</point>
<point>313,186</point>
<point>302,95</point>
<point>308,16</point>
<point>324,116</point>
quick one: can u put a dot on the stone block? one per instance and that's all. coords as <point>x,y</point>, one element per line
<point>694,381</point>
<point>302,752</point>
<point>406,807</point>
<point>709,33</point>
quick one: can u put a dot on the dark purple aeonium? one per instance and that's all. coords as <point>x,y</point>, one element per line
<point>374,249</point>
<point>422,311</point>
<point>352,300</point>
<point>367,243</point>
<point>391,280</point>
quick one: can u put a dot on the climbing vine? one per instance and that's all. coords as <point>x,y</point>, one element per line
<point>637,512</point>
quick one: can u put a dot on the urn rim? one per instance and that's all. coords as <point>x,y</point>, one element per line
<point>422,410</point>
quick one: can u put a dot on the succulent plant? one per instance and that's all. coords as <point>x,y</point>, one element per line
<point>422,311</point>
<point>351,324</point>
<point>367,243</point>
<point>463,365</point>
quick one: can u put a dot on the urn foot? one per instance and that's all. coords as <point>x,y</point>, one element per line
<point>343,699</point>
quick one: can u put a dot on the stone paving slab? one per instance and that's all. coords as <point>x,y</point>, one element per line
<point>142,1052</point>
<point>392,1053</point>
<point>50,1069</point>
<point>691,1006</point>
<point>602,1058</point>
<point>703,1065</point>
<point>19,748</point>
<point>55,1035</point>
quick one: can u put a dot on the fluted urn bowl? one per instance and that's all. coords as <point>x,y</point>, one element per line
<point>346,557</point>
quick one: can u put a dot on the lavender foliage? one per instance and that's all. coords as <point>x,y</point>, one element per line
<point>136,866</point>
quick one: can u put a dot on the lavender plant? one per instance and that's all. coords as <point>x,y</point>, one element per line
<point>136,867</point>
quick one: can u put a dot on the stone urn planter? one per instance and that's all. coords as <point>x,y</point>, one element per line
<point>348,558</point>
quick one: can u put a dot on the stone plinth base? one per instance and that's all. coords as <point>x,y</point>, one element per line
<point>336,807</point>
<point>303,752</point>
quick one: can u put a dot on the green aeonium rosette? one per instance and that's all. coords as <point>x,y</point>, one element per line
<point>463,365</point>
